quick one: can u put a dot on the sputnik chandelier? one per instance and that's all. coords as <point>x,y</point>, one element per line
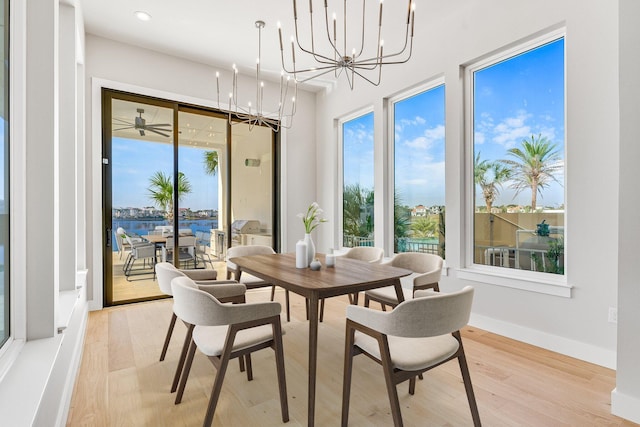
<point>257,115</point>
<point>335,57</point>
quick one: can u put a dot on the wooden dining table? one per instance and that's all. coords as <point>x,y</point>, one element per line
<point>347,277</point>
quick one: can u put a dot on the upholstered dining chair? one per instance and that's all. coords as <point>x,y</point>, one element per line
<point>427,269</point>
<point>226,331</point>
<point>249,280</point>
<point>363,253</point>
<point>166,272</point>
<point>418,335</point>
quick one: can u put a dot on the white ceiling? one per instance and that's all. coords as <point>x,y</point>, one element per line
<point>223,32</point>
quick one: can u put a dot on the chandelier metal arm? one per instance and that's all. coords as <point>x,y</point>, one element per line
<point>250,116</point>
<point>350,63</point>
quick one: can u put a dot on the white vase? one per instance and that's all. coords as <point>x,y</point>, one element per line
<point>311,248</point>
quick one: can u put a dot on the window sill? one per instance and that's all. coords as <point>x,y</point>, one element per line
<point>543,283</point>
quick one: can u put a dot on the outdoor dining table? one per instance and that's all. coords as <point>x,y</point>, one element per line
<point>347,277</point>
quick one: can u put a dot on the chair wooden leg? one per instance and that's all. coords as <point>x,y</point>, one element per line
<point>217,384</point>
<point>241,361</point>
<point>168,338</point>
<point>384,306</point>
<point>412,386</point>
<point>466,378</point>
<point>366,301</point>
<point>347,372</point>
<point>387,367</point>
<point>249,367</point>
<point>183,355</point>
<point>286,299</point>
<point>356,297</point>
<point>282,382</point>
<point>185,372</point>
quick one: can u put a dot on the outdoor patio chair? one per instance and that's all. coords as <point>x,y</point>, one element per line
<point>187,250</point>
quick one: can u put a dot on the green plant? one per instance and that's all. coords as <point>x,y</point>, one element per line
<point>161,191</point>
<point>311,219</point>
<point>211,162</point>
<point>554,257</point>
<point>534,166</point>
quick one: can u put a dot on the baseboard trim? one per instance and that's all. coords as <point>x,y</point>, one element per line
<point>579,350</point>
<point>625,406</point>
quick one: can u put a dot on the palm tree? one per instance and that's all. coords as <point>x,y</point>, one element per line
<point>401,220</point>
<point>161,191</point>
<point>535,166</point>
<point>424,227</point>
<point>210,162</point>
<point>489,176</point>
<point>357,211</point>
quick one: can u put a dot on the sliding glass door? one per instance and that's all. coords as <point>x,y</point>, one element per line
<point>177,181</point>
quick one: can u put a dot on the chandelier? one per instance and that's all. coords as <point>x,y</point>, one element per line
<point>334,55</point>
<point>257,115</point>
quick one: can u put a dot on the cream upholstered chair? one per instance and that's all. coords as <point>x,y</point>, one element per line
<point>426,268</point>
<point>166,272</point>
<point>418,335</point>
<point>362,253</point>
<point>224,332</point>
<point>249,280</point>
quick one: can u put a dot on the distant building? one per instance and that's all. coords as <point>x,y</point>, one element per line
<point>419,210</point>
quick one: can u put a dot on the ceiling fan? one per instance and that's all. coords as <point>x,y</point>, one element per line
<point>140,124</point>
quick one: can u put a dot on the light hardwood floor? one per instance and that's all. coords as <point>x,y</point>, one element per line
<point>122,383</point>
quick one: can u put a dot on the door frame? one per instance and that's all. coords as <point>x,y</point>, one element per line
<point>107,94</point>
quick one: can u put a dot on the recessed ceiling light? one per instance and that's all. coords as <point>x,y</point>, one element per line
<point>142,15</point>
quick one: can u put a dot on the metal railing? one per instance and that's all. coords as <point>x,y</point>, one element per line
<point>350,241</point>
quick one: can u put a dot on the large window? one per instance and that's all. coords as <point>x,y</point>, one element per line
<point>358,194</point>
<point>419,173</point>
<point>5,329</point>
<point>518,138</point>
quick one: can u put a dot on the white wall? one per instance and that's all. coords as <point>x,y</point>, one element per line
<point>625,398</point>
<point>134,69</point>
<point>457,34</point>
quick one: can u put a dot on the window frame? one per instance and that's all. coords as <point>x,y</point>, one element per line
<point>391,179</point>
<point>339,123</point>
<point>540,282</point>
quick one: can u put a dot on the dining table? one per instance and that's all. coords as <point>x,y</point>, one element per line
<point>348,276</point>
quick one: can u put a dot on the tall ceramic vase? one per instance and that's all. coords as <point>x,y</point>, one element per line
<point>311,248</point>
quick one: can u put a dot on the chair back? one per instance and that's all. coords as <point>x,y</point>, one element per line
<point>166,272</point>
<point>417,262</point>
<point>198,307</point>
<point>430,314</point>
<point>238,251</point>
<point>365,253</point>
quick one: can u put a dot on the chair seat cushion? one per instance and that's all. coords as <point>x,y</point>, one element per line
<point>411,354</point>
<point>252,281</point>
<point>210,339</point>
<point>388,294</point>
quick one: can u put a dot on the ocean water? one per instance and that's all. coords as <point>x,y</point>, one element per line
<point>142,227</point>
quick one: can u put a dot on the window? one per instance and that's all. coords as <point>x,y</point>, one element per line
<point>5,327</point>
<point>518,123</point>
<point>358,194</point>
<point>419,172</point>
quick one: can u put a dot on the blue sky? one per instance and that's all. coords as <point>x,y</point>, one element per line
<point>514,100</point>
<point>135,161</point>
<point>419,148</point>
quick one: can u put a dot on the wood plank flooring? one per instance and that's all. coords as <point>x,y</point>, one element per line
<point>122,383</point>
